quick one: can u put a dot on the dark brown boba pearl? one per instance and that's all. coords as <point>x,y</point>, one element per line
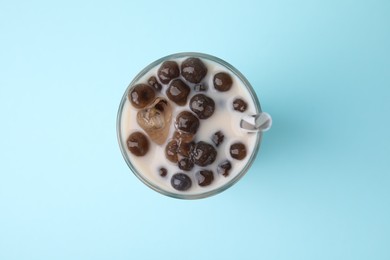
<point>238,151</point>
<point>239,105</point>
<point>181,182</point>
<point>185,164</point>
<point>162,172</point>
<point>222,81</point>
<point>217,138</point>
<point>152,81</point>
<point>141,95</point>
<point>202,106</point>
<point>138,144</point>
<point>183,137</point>
<point>185,148</point>
<point>204,177</point>
<point>193,70</point>
<point>178,92</point>
<point>171,151</point>
<point>168,71</point>
<point>203,154</point>
<point>200,87</point>
<point>224,168</point>
<point>187,122</point>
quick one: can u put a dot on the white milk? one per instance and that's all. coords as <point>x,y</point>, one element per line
<point>224,119</point>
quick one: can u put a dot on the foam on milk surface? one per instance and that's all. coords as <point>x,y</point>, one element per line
<point>224,119</point>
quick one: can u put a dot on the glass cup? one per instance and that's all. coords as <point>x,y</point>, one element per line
<point>254,124</point>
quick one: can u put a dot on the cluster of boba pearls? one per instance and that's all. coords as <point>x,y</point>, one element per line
<point>183,148</point>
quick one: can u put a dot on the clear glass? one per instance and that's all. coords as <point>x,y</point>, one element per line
<point>258,133</point>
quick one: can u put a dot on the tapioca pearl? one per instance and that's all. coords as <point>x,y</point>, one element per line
<point>152,81</point>
<point>181,182</point>
<point>204,177</point>
<point>202,105</point>
<point>203,154</point>
<point>185,149</point>
<point>224,168</point>
<point>238,151</point>
<point>187,122</point>
<point>178,92</point>
<point>193,70</point>
<point>138,144</point>
<point>168,71</point>
<point>217,138</point>
<point>171,151</point>
<point>185,164</point>
<point>141,95</point>
<point>222,81</point>
<point>162,172</point>
<point>239,105</point>
<point>181,136</point>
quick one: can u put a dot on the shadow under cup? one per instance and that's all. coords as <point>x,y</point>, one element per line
<point>253,124</point>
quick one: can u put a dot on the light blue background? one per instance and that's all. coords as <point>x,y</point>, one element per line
<point>319,189</point>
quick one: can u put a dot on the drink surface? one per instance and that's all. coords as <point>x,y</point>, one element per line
<point>225,119</point>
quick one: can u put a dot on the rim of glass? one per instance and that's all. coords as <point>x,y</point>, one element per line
<point>183,195</point>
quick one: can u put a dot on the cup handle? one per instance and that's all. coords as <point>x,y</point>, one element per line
<point>256,123</point>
